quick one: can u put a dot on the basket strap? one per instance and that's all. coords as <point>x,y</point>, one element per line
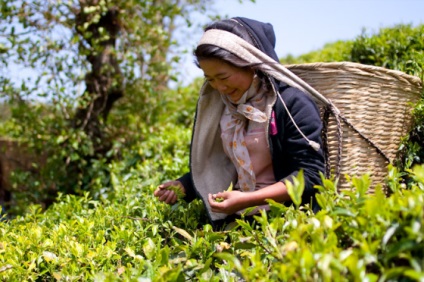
<point>337,114</point>
<point>325,119</point>
<point>331,109</point>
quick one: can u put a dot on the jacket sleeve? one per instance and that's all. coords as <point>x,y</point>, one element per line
<point>187,181</point>
<point>291,151</point>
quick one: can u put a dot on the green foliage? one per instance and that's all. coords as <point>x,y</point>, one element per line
<point>4,112</point>
<point>115,230</point>
<point>78,59</point>
<point>331,52</point>
<point>128,235</point>
<point>400,48</point>
<point>412,149</point>
<point>295,188</point>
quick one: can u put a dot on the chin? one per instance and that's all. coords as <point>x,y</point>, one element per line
<point>234,99</point>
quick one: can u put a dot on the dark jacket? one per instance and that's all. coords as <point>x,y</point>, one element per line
<point>290,151</point>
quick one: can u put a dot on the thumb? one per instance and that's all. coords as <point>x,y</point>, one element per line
<point>165,185</point>
<point>221,194</point>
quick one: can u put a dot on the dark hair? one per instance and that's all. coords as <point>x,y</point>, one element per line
<point>208,51</point>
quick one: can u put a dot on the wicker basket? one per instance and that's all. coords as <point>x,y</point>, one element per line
<point>375,113</point>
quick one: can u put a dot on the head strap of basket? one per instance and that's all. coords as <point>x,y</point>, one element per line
<point>310,78</point>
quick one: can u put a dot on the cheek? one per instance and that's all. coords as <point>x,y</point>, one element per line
<point>244,82</point>
<point>248,82</point>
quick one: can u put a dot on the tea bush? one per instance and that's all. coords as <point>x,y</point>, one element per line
<point>119,232</point>
<point>125,234</point>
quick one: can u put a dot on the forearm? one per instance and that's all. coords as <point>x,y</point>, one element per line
<point>277,192</point>
<point>236,200</point>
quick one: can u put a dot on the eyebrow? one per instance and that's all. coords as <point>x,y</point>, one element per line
<point>217,75</point>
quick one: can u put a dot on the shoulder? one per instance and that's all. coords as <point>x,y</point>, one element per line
<point>292,95</point>
<point>296,100</point>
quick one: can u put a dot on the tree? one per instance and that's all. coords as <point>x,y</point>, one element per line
<point>78,61</point>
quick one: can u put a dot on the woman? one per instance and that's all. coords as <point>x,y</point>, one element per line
<point>252,128</point>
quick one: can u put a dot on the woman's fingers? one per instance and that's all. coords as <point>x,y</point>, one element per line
<point>226,202</point>
<point>172,198</point>
<point>168,196</point>
<point>212,202</point>
<point>166,185</point>
<point>158,192</point>
<point>215,206</point>
<point>164,195</point>
<point>220,195</point>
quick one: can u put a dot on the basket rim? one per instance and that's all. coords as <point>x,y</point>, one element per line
<point>348,66</point>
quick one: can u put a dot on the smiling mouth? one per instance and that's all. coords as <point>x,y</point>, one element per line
<point>231,93</point>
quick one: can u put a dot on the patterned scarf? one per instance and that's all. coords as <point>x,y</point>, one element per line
<point>234,121</point>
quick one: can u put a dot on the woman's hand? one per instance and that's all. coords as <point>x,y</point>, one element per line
<point>232,201</point>
<point>164,194</point>
<point>235,201</point>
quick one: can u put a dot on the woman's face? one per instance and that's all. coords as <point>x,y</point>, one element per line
<point>229,80</point>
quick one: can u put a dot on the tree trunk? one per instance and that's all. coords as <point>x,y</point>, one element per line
<point>104,83</point>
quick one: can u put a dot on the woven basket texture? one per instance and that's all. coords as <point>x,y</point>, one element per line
<point>376,101</point>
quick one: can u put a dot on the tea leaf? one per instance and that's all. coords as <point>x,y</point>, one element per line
<point>296,188</point>
<point>177,190</point>
<point>229,189</point>
<point>389,234</point>
<point>183,233</point>
<point>5,267</point>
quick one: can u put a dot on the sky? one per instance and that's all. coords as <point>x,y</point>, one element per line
<point>302,26</point>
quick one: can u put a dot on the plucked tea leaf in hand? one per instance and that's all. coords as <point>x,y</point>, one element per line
<point>177,191</point>
<point>229,189</point>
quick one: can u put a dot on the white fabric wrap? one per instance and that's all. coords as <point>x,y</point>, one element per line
<point>212,170</point>
<point>250,53</point>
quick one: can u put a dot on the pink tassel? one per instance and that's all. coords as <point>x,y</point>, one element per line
<point>273,125</point>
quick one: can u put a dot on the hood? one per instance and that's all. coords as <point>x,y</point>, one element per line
<point>262,34</point>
